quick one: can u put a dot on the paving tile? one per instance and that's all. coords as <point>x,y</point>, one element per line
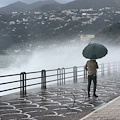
<point>65,102</point>
<point>110,111</point>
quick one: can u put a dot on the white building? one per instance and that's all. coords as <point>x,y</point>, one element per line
<point>86,37</point>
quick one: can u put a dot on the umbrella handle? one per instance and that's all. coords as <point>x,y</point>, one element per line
<point>89,43</point>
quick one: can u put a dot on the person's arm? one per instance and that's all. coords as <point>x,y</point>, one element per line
<point>85,66</point>
<point>97,65</point>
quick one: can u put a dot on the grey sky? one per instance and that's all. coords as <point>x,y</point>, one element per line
<point>6,2</point>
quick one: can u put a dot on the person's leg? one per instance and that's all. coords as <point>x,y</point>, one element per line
<point>95,85</point>
<point>89,84</point>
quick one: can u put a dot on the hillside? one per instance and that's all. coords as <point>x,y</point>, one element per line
<point>46,26</point>
<point>110,34</point>
<point>41,3</point>
<point>46,8</point>
<point>17,6</point>
<point>81,4</point>
<point>49,5</point>
<point>22,7</point>
<point>95,4</point>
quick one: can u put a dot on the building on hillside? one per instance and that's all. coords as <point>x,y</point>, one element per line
<point>86,37</point>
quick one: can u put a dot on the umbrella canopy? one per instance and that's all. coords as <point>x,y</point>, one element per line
<point>94,51</point>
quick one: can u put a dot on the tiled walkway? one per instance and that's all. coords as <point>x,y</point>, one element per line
<point>66,102</point>
<point>110,111</point>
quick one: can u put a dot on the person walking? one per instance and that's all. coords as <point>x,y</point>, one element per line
<point>91,67</point>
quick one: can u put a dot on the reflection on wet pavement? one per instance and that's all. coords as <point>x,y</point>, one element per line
<point>61,102</point>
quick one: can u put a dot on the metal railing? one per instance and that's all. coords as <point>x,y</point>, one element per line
<point>23,81</point>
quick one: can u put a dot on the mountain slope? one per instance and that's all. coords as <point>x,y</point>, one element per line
<point>110,34</point>
<point>41,3</point>
<point>53,5</point>
<point>17,6</point>
<point>45,8</point>
<point>22,7</point>
<point>96,4</point>
<point>81,4</point>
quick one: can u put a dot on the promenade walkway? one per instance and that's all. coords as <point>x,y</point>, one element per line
<point>110,111</point>
<point>65,102</point>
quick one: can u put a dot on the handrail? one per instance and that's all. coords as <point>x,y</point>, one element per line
<point>9,75</point>
<point>29,79</point>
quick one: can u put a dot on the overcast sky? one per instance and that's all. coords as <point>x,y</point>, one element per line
<point>6,2</point>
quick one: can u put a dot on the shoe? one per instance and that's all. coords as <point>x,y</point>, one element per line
<point>95,95</point>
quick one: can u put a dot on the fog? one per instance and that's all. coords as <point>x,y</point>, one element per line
<point>51,58</point>
<point>68,55</point>
<point>59,56</point>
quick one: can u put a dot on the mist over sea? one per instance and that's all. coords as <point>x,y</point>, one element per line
<point>62,55</point>
<point>59,56</point>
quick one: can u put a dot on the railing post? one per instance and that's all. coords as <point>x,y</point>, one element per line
<point>63,75</point>
<point>108,68</point>
<point>85,73</point>
<point>58,76</point>
<point>118,66</point>
<point>102,69</point>
<point>23,84</point>
<point>43,79</point>
<point>75,74</point>
<point>113,67</point>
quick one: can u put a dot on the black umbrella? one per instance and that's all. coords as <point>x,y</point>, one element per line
<point>94,51</point>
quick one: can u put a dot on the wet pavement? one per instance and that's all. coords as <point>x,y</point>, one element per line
<point>62,102</point>
<point>110,111</point>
